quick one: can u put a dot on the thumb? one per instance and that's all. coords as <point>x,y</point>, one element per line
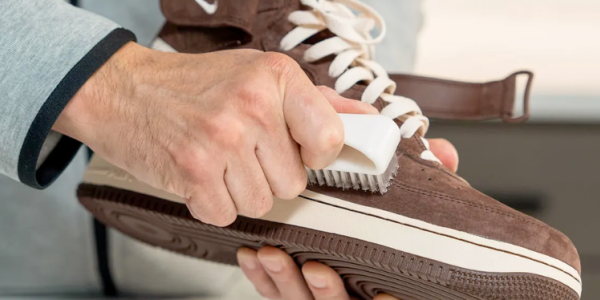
<point>312,121</point>
<point>346,106</point>
<point>446,152</point>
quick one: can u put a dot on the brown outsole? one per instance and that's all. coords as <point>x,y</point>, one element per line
<point>367,269</point>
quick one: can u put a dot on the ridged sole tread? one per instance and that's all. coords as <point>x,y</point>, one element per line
<point>367,269</point>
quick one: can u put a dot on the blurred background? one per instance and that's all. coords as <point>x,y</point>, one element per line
<point>546,167</point>
<point>549,166</point>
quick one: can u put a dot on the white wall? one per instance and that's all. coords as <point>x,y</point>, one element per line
<point>481,40</point>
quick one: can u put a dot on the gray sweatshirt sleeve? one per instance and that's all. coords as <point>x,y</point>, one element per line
<point>48,50</point>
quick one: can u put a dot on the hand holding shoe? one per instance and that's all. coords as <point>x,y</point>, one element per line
<point>226,131</point>
<point>275,275</point>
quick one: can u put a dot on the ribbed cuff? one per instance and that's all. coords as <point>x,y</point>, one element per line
<point>67,147</point>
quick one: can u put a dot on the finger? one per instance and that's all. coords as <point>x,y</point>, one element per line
<point>285,273</point>
<point>279,157</point>
<point>252,268</point>
<point>248,186</point>
<point>385,297</point>
<point>445,152</point>
<point>344,105</point>
<point>324,282</point>
<point>211,203</point>
<point>312,121</point>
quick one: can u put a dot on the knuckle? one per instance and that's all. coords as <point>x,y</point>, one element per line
<point>299,184</point>
<point>296,185</point>
<point>183,157</point>
<point>279,63</point>
<point>330,139</point>
<point>191,166</point>
<point>212,209</point>
<point>229,132</point>
<point>287,275</point>
<point>223,217</point>
<point>326,142</point>
<point>223,212</point>
<point>196,209</point>
<point>259,204</point>
<point>192,209</point>
<point>312,163</point>
<point>256,102</point>
<point>263,206</point>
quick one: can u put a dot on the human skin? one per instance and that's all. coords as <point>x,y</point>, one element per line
<point>226,130</point>
<point>275,275</point>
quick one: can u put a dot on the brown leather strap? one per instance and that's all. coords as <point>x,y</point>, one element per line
<point>454,100</point>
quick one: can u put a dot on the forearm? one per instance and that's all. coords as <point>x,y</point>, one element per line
<point>48,50</point>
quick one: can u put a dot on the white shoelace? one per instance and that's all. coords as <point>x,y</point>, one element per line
<point>353,47</point>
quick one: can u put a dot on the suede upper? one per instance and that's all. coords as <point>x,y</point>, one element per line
<point>422,189</point>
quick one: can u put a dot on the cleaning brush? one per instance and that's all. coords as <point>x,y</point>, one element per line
<point>368,159</point>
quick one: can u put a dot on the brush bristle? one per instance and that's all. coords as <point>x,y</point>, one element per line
<point>348,180</point>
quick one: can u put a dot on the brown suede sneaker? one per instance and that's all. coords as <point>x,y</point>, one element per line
<point>431,236</point>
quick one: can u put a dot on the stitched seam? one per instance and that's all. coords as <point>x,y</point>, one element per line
<point>281,18</point>
<point>235,21</point>
<point>441,234</point>
<point>239,22</point>
<point>435,194</point>
<point>184,212</point>
<point>459,201</point>
<point>466,203</point>
<point>430,164</point>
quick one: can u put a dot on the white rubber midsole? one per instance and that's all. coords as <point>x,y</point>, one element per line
<point>380,227</point>
<point>420,238</point>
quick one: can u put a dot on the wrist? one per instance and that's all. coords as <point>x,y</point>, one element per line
<point>83,116</point>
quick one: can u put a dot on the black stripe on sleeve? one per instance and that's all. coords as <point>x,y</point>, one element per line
<point>66,148</point>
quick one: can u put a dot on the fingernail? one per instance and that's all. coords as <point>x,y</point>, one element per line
<point>272,264</point>
<point>316,280</point>
<point>372,110</point>
<point>384,297</point>
<point>249,264</point>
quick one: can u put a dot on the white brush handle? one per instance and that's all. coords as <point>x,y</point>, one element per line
<point>369,145</point>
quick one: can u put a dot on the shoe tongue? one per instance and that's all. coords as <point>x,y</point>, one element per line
<point>233,14</point>
<point>236,22</point>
